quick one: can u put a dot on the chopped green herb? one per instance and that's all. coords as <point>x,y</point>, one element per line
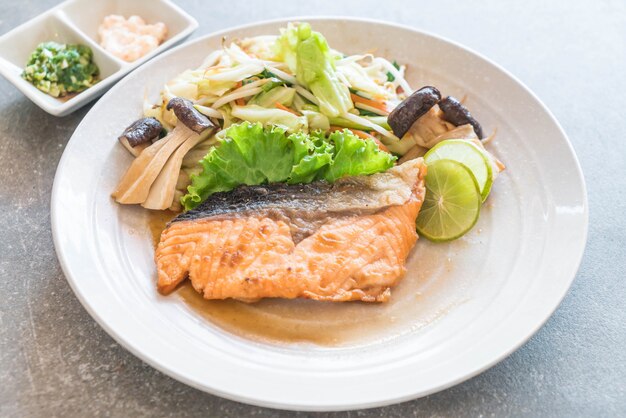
<point>274,82</point>
<point>390,77</point>
<point>267,74</point>
<point>59,69</point>
<point>249,80</point>
<point>363,112</point>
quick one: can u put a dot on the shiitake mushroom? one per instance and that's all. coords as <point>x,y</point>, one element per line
<point>412,108</point>
<point>457,114</point>
<point>138,135</point>
<point>189,116</point>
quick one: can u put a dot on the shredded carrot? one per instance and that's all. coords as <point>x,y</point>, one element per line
<point>382,106</point>
<point>286,109</point>
<point>239,102</point>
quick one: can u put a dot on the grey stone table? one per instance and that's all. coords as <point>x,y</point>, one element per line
<point>56,361</point>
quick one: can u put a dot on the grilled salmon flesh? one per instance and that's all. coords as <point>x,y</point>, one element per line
<point>334,242</point>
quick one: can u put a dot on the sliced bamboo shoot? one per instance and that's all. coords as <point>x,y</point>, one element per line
<point>162,190</point>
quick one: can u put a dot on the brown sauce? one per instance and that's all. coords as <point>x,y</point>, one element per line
<point>157,222</point>
<point>282,321</point>
<point>261,320</point>
<point>414,303</point>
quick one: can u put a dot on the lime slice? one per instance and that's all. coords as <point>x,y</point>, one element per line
<point>469,155</point>
<point>452,201</point>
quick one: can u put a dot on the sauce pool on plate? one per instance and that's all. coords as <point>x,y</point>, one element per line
<point>416,303</point>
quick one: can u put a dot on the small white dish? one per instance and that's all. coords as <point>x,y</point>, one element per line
<point>462,306</point>
<point>76,22</point>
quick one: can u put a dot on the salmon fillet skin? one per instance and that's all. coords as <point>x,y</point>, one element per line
<point>332,242</point>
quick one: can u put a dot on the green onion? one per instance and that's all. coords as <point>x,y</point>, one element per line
<point>59,69</point>
<point>390,76</point>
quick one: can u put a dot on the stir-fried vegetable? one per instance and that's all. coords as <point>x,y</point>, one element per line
<point>266,78</point>
<point>251,154</point>
<point>294,69</point>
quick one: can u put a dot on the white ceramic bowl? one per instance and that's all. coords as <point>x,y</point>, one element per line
<point>77,21</point>
<point>462,307</point>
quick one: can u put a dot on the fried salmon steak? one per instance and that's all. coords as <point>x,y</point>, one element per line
<point>333,242</point>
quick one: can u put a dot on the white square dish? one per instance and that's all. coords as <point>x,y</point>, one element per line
<point>76,21</point>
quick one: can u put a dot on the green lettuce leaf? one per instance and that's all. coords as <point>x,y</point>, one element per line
<point>312,153</point>
<point>251,154</point>
<point>354,156</point>
<point>248,154</point>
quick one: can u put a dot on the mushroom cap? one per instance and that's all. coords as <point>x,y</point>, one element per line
<point>141,131</point>
<point>188,115</point>
<point>412,108</point>
<point>457,114</point>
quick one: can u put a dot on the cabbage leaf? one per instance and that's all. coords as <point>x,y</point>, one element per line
<point>271,117</point>
<point>308,55</point>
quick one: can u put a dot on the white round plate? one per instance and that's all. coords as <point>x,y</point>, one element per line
<point>462,307</point>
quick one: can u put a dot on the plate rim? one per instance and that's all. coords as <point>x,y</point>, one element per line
<point>285,405</point>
